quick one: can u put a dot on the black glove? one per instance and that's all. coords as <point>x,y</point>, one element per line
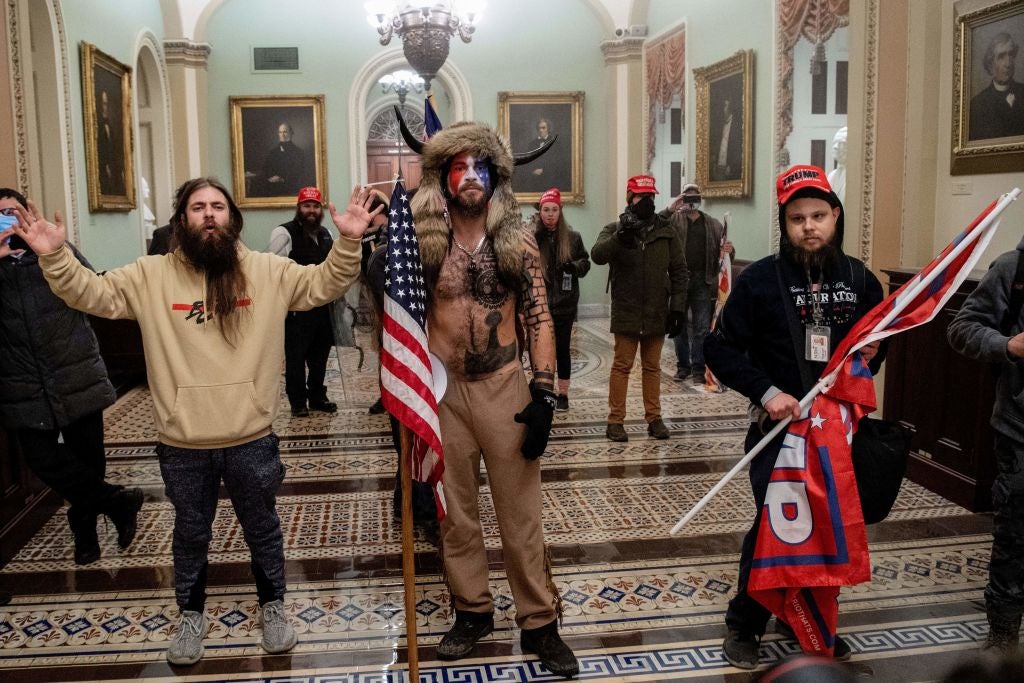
<point>537,416</point>
<point>674,324</point>
<point>569,267</point>
<point>627,238</point>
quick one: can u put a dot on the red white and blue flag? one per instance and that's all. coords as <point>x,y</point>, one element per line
<point>431,123</point>
<point>406,377</point>
<point>811,539</point>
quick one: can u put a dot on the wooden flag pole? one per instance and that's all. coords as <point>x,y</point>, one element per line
<point>409,557</point>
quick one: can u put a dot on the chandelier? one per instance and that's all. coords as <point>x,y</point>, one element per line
<point>425,30</point>
<point>401,83</point>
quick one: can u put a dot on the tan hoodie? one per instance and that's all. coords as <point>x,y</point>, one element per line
<point>206,393</point>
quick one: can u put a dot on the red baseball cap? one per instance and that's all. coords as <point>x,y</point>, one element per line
<point>801,177</point>
<point>309,194</point>
<point>552,196</point>
<point>641,184</point>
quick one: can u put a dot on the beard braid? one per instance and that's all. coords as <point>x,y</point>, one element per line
<point>217,257</point>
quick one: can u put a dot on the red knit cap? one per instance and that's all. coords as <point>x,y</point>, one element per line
<point>552,196</point>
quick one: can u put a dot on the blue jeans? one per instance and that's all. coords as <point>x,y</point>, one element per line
<point>700,304</point>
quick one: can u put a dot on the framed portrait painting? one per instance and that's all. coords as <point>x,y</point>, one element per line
<point>278,146</point>
<point>725,126</point>
<point>528,120</point>
<point>107,114</point>
<point>988,93</point>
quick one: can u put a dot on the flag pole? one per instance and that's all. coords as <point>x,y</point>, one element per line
<point>908,297</point>
<point>409,557</point>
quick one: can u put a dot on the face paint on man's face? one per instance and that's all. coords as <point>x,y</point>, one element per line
<point>467,172</point>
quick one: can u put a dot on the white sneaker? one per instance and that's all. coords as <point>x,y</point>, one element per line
<point>187,646</point>
<point>278,634</point>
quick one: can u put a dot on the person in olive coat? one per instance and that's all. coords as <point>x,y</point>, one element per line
<point>648,279</point>
<point>53,383</point>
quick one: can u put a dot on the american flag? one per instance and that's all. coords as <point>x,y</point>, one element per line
<point>407,383</point>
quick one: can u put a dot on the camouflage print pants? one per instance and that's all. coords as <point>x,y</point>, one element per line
<point>1004,594</point>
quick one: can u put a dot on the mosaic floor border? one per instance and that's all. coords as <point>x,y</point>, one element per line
<point>334,525</point>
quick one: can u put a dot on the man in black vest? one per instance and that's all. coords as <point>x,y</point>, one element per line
<point>308,335</point>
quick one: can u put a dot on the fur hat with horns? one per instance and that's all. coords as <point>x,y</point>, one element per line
<point>430,204</point>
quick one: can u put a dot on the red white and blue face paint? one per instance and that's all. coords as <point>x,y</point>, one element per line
<point>467,172</point>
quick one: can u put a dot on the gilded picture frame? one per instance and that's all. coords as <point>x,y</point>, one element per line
<point>988,116</point>
<point>278,146</point>
<point>725,126</point>
<point>107,117</point>
<point>524,118</point>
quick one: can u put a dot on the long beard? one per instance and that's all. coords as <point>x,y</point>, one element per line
<point>216,255</point>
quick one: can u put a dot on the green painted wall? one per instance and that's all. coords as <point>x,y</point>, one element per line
<point>108,239</point>
<point>712,34</point>
<point>510,51</point>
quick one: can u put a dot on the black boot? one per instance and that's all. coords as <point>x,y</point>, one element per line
<point>83,528</point>
<point>550,649</point>
<point>469,627</point>
<point>123,509</point>
<point>1003,633</point>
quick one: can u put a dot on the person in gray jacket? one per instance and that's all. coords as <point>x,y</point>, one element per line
<point>983,330</point>
<point>701,237</point>
<point>53,384</point>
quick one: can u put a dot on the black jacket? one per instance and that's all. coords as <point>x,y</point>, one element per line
<point>648,279</point>
<point>562,302</point>
<point>752,348</point>
<point>51,372</point>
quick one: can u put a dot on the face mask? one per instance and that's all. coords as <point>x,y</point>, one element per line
<point>644,208</point>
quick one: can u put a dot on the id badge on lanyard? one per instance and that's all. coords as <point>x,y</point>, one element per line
<point>817,337</point>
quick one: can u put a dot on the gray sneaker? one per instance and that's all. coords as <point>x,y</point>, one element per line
<point>278,634</point>
<point>187,647</point>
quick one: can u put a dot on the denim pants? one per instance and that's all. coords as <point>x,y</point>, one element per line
<point>252,473</point>
<point>700,304</point>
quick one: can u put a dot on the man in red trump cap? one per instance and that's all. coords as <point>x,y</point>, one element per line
<point>308,335</point>
<point>643,251</point>
<point>784,317</point>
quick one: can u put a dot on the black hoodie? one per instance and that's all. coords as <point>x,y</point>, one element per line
<point>752,348</point>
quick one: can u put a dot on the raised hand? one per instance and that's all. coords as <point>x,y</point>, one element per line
<point>41,235</point>
<point>357,216</point>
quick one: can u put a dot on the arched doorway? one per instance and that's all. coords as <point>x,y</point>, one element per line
<point>45,125</point>
<point>386,152</point>
<point>153,156</point>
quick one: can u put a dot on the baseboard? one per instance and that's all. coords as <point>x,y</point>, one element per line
<point>593,311</point>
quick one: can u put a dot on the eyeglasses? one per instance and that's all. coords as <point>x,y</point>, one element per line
<point>8,212</point>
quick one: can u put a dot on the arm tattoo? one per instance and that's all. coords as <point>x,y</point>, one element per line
<point>540,337</point>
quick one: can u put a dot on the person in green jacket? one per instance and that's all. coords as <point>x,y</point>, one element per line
<point>648,280</point>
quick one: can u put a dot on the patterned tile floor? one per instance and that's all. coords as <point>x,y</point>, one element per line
<point>640,605</point>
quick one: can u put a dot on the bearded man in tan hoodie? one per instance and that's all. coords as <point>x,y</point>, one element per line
<point>212,318</point>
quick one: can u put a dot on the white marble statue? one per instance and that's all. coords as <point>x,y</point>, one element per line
<point>837,177</point>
